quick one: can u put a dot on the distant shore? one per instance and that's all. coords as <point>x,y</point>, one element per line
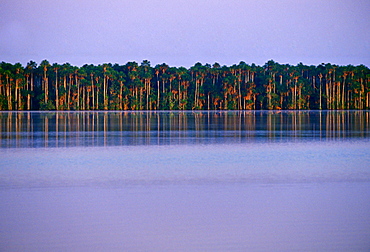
<point>134,86</point>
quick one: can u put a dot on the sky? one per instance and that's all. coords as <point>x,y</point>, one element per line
<point>184,32</point>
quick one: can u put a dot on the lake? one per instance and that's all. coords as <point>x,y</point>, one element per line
<point>185,181</point>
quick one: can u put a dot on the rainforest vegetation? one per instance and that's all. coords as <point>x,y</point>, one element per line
<point>136,86</point>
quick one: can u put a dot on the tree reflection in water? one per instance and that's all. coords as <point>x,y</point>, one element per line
<point>67,129</point>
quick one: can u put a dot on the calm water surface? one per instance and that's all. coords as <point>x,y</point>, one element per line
<point>185,181</point>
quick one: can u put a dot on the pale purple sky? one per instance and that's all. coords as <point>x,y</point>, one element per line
<point>183,32</point>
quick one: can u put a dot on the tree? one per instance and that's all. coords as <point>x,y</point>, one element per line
<point>55,68</point>
<point>146,76</point>
<point>138,87</point>
<point>45,80</point>
<point>29,72</point>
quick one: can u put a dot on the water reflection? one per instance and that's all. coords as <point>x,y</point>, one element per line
<point>65,129</point>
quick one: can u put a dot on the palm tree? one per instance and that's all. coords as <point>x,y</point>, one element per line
<point>133,83</point>
<point>30,68</point>
<point>146,76</point>
<point>183,82</point>
<point>7,71</point>
<point>45,81</point>
<point>242,86</point>
<point>107,71</point>
<point>157,71</point>
<point>18,85</point>
<point>56,67</point>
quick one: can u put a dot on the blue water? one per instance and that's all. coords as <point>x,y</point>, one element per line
<point>73,129</point>
<point>185,181</point>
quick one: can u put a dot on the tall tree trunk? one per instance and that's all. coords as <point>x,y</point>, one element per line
<point>320,99</point>
<point>28,89</point>
<point>141,96</point>
<point>17,101</point>
<point>69,93</point>
<point>78,92</point>
<point>93,91</point>
<point>9,93</point>
<point>327,94</point>
<point>65,91</point>
<point>361,93</point>
<point>105,93</point>
<point>97,98</point>
<point>295,94</point>
<point>56,91</point>
<point>29,95</point>
<point>239,92</point>
<point>120,95</point>
<point>179,94</point>
<point>158,92</point>
<point>343,92</point>
<point>196,94</point>
<point>83,87</point>
<point>46,86</point>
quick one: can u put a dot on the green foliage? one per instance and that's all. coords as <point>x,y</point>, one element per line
<point>136,86</point>
<point>3,102</point>
<point>47,106</point>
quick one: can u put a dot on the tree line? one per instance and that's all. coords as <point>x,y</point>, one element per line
<point>136,86</point>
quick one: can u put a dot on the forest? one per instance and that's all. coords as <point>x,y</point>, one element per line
<point>134,86</point>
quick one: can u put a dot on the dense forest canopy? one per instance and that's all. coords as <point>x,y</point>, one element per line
<point>133,86</point>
